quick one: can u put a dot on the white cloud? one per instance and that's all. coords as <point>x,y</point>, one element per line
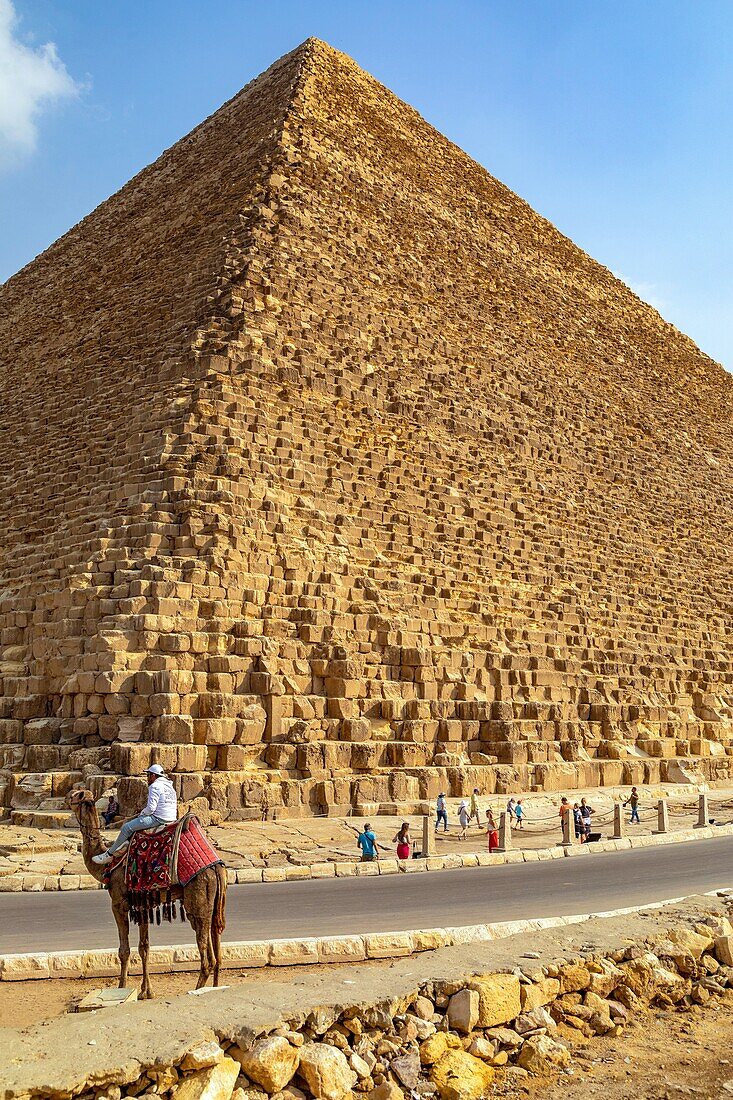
<point>648,292</point>
<point>30,79</point>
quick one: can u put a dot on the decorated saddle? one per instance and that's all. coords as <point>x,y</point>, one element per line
<point>158,862</point>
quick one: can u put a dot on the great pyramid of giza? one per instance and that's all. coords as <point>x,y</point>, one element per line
<point>333,475</point>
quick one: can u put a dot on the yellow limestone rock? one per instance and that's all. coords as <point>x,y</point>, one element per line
<point>460,1076</point>
<point>215,1083</point>
<point>694,942</point>
<point>539,993</point>
<point>271,1062</point>
<point>326,1071</point>
<point>540,1054</point>
<point>433,1048</point>
<point>499,999</point>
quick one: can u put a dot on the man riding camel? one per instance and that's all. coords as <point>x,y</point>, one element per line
<point>160,809</point>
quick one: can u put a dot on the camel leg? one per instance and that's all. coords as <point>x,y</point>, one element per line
<point>146,992</point>
<point>215,949</point>
<point>123,929</point>
<point>202,928</point>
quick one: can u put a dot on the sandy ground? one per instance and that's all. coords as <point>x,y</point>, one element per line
<point>310,840</point>
<point>26,1003</point>
<point>661,1056</point>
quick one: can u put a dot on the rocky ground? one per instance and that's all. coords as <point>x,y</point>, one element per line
<point>312,840</point>
<point>663,1055</point>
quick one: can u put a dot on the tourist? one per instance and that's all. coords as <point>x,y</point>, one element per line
<point>474,808</point>
<point>519,814</point>
<point>565,808</point>
<point>112,809</point>
<point>511,809</point>
<point>586,813</point>
<point>402,840</point>
<point>161,808</point>
<point>367,841</point>
<point>442,808</point>
<point>492,831</point>
<point>464,818</point>
<point>633,801</point>
<point>578,822</point>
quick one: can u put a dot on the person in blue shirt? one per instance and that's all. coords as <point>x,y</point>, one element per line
<point>368,844</point>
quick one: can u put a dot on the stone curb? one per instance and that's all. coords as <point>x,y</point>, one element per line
<point>32,883</point>
<point>248,954</point>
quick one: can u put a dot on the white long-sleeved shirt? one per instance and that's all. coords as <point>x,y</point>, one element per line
<point>162,801</point>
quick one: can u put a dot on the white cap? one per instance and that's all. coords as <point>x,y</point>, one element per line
<point>155,769</point>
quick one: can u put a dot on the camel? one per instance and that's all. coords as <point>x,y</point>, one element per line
<point>203,900</point>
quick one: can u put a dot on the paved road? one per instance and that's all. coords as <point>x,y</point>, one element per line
<point>586,884</point>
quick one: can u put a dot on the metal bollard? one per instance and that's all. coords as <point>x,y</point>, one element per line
<point>618,821</point>
<point>662,816</point>
<point>703,811</point>
<point>568,828</point>
<point>505,832</point>
<point>428,837</point>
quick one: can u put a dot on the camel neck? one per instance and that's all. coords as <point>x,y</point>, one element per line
<point>92,843</point>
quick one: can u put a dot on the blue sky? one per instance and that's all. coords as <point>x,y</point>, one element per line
<point>612,119</point>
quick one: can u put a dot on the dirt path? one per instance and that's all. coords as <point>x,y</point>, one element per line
<point>661,1056</point>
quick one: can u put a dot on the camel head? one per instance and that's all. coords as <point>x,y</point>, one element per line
<point>81,802</point>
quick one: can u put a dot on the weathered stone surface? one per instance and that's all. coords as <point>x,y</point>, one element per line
<point>215,1083</point>
<point>406,1068</point>
<point>463,1010</point>
<point>499,999</point>
<point>202,1056</point>
<point>326,1071</point>
<point>539,993</point>
<point>460,1076</point>
<point>541,1054</point>
<point>271,1062</point>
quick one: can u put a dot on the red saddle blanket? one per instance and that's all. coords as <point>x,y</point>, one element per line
<point>155,861</point>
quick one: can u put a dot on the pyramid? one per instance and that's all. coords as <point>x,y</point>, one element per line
<point>335,476</point>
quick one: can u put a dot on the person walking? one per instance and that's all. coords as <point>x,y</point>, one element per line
<point>464,818</point>
<point>519,814</point>
<point>492,831</point>
<point>511,809</point>
<point>475,812</point>
<point>402,840</point>
<point>367,841</point>
<point>161,808</point>
<point>586,813</point>
<point>633,801</point>
<point>442,811</point>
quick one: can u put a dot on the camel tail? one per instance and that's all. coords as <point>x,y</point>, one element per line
<point>219,920</point>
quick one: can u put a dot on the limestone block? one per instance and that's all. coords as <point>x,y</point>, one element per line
<point>499,998</point>
<point>288,952</point>
<point>341,949</point>
<point>388,945</point>
<point>540,1055</point>
<point>463,1010</point>
<point>326,1071</point>
<point>215,1083</point>
<point>539,993</point>
<point>271,1062</point>
<point>21,968</point>
<point>460,1076</point>
<point>251,954</point>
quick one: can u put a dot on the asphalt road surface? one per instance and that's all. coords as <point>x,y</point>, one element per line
<point>82,919</point>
